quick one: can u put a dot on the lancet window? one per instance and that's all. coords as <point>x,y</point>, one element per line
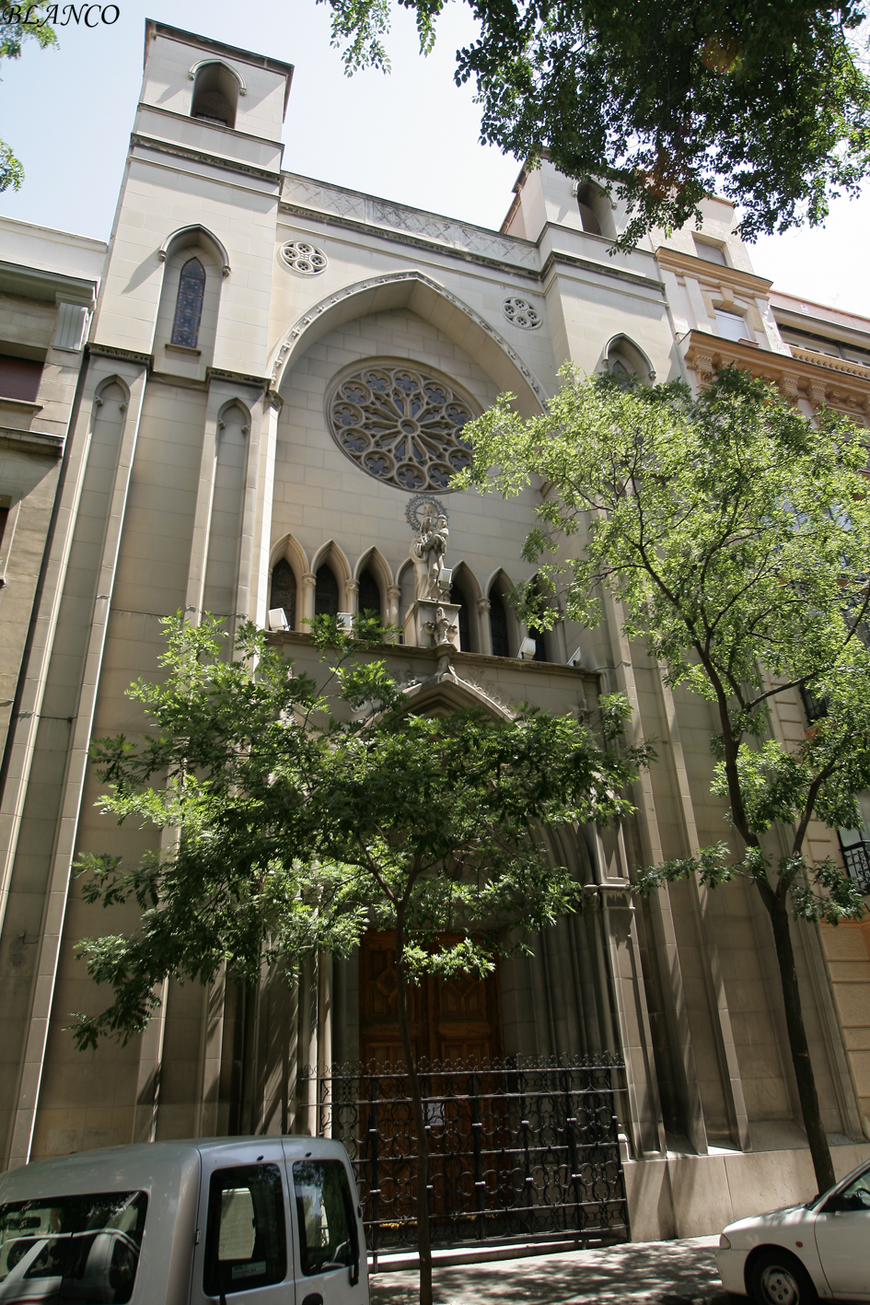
<point>188,305</point>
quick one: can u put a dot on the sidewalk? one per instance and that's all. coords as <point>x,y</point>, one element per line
<point>644,1273</point>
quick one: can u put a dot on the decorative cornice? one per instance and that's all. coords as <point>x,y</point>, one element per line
<point>199,156</point>
<point>114,351</point>
<point>795,374</point>
<point>36,441</point>
<point>701,269</point>
<point>830,363</point>
<point>237,378</point>
<point>600,269</point>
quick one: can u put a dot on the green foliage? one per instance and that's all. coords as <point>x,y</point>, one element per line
<point>12,37</point>
<point>768,104</point>
<point>736,535</point>
<point>293,817</point>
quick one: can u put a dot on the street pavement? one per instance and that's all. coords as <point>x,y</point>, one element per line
<point>643,1273</point>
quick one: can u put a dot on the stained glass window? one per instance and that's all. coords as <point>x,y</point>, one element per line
<point>283,592</point>
<point>188,305</point>
<point>326,593</point>
<point>369,593</point>
<point>498,626</point>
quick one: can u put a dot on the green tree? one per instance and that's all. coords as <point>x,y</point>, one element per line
<point>736,536</point>
<point>296,817</point>
<point>20,23</point>
<point>663,103</point>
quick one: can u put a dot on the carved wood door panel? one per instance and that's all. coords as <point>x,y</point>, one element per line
<point>449,1019</point>
<point>456,1019</point>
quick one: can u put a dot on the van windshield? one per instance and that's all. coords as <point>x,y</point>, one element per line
<point>71,1248</point>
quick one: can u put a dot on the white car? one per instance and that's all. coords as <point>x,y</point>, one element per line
<point>805,1253</point>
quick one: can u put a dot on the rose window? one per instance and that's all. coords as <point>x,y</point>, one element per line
<point>402,426</point>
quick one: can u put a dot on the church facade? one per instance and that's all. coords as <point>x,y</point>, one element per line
<point>251,403</point>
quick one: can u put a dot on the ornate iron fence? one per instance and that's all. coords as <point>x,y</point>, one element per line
<point>519,1149</point>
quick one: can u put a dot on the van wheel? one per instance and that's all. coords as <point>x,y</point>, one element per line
<point>777,1278</point>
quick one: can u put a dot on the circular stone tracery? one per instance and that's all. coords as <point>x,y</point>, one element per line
<point>304,258</point>
<point>401,425</point>
<point>521,313</point>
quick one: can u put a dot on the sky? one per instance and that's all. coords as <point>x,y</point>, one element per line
<point>412,136</point>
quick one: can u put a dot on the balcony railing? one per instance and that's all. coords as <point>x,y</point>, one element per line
<point>857,858</point>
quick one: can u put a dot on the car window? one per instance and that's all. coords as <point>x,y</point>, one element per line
<point>82,1248</point>
<point>324,1209</point>
<point>245,1240</point>
<point>857,1193</point>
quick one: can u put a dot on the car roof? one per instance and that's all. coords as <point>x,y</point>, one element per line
<point>149,1165</point>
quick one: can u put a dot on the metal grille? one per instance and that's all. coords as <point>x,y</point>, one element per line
<point>518,1149</point>
<point>857,858</point>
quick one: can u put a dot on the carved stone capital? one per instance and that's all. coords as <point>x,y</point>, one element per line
<point>309,580</point>
<point>483,606</point>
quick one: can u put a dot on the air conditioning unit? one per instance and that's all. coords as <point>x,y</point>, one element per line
<point>278,619</point>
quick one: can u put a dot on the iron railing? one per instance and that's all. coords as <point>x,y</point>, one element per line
<point>519,1149</point>
<point>857,858</point>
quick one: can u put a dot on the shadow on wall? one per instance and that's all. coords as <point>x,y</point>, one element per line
<point>667,1273</point>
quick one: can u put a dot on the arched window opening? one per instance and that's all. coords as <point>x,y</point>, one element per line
<point>540,644</point>
<point>498,625</point>
<point>369,594</point>
<point>215,95</point>
<point>283,591</point>
<point>627,363</point>
<point>459,595</point>
<point>326,593</point>
<point>586,197</point>
<point>188,305</point>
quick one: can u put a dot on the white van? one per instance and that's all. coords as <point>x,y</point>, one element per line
<point>252,1221</point>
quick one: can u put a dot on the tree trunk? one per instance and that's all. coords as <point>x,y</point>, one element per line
<point>797,1038</point>
<point>424,1243</point>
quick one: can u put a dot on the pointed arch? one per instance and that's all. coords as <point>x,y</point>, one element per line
<point>442,694</point>
<point>290,548</point>
<point>104,384</point>
<point>506,630</point>
<point>374,577</point>
<point>195,234</point>
<point>287,565</point>
<point>429,300</point>
<point>243,411</point>
<point>466,593</point>
<point>331,556</point>
<point>621,349</point>
<point>374,560</point>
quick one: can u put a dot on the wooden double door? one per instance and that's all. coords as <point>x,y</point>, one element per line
<point>456,1019</point>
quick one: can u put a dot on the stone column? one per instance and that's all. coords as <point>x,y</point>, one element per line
<point>394,594</point>
<point>309,584</point>
<point>351,596</point>
<point>483,607</point>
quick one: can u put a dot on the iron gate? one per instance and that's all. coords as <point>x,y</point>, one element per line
<point>519,1149</point>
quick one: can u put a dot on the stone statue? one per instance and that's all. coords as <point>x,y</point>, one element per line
<point>427,552</point>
